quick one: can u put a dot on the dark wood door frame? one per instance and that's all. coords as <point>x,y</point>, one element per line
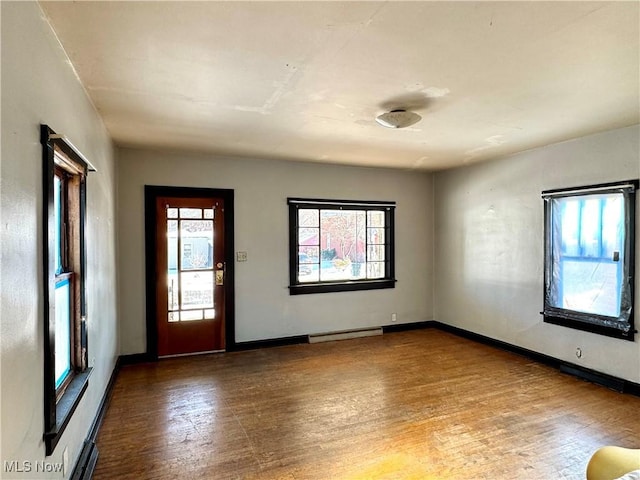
<point>151,192</point>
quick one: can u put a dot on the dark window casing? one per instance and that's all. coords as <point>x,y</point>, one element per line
<point>557,254</point>
<point>388,280</point>
<point>60,158</point>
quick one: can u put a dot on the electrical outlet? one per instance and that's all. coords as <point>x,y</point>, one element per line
<point>241,256</point>
<point>394,317</point>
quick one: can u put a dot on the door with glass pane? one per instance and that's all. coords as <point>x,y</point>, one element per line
<point>190,275</point>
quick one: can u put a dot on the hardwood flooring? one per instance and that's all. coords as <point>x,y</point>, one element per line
<point>414,405</point>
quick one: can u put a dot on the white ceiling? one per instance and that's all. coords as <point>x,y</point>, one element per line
<point>305,80</point>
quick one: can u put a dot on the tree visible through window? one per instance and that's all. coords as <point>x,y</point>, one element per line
<point>340,245</point>
<point>589,258</point>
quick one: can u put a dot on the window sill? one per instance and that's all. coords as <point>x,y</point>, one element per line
<point>590,327</point>
<point>65,408</point>
<point>349,286</point>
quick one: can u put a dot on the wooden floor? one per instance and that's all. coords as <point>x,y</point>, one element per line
<point>415,405</point>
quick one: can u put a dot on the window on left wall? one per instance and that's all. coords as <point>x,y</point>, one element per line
<point>65,347</point>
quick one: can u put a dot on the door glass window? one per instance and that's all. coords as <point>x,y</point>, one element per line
<point>190,264</point>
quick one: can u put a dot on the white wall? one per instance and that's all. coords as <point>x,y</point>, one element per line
<point>264,308</point>
<point>38,86</point>
<point>489,246</point>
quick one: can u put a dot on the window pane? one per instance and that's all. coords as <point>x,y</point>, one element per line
<point>375,269</point>
<point>208,213</point>
<point>587,277</point>
<point>375,218</point>
<point>375,252</point>
<point>358,270</point>
<point>309,254</point>
<point>613,227</point>
<point>590,287</point>
<point>172,227</point>
<point>197,289</point>
<point>308,236</point>
<point>63,330</point>
<point>308,273</point>
<point>336,269</point>
<point>342,231</point>
<point>570,213</point>
<point>197,244</point>
<point>172,245</point>
<point>172,264</point>
<point>190,315</point>
<point>174,288</point>
<point>308,264</point>
<point>375,235</point>
<point>172,213</point>
<point>57,209</point>
<point>190,213</point>
<point>590,227</point>
<point>308,217</point>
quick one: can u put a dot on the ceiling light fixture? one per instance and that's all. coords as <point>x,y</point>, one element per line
<point>398,119</point>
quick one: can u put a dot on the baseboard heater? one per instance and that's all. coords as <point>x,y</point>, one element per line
<point>594,377</point>
<point>344,335</point>
<point>86,463</point>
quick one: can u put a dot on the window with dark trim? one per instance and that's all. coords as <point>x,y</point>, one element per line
<point>65,346</point>
<point>340,245</point>
<point>589,258</point>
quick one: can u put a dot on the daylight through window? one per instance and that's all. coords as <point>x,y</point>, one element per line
<point>65,345</point>
<point>340,245</point>
<point>589,264</point>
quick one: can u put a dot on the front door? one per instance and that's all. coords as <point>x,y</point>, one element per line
<point>190,274</point>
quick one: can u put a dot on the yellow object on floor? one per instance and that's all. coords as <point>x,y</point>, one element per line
<point>610,463</point>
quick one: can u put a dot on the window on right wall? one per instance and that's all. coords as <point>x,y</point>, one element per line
<point>589,258</point>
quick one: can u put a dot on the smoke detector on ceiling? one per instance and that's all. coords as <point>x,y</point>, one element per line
<point>398,119</point>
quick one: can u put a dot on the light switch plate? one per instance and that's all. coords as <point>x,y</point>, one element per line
<point>241,256</point>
